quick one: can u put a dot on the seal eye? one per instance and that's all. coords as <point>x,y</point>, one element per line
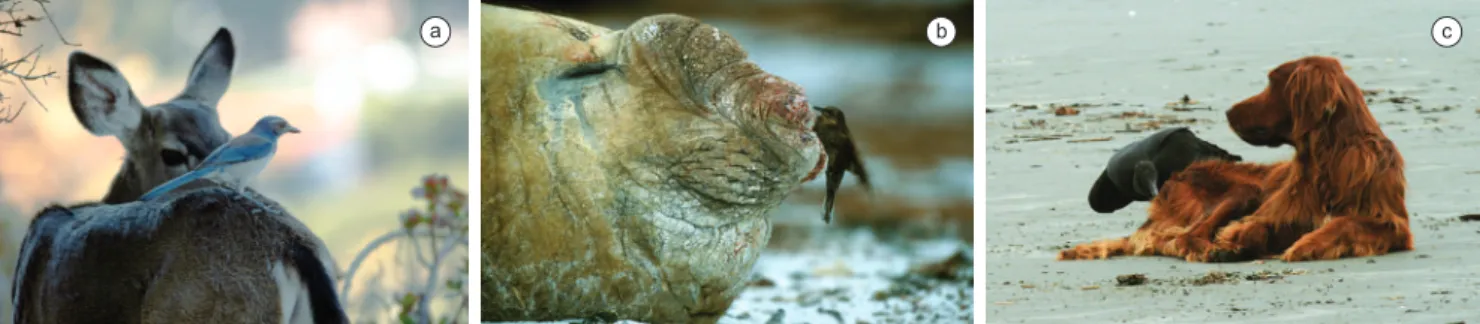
<point>587,70</point>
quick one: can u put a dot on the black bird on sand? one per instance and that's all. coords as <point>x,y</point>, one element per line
<point>1137,171</point>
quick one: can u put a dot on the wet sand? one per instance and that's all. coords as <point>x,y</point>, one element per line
<point>853,276</point>
<point>1124,68</point>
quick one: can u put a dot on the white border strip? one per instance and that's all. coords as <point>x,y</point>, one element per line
<point>474,285</point>
<point>978,160</point>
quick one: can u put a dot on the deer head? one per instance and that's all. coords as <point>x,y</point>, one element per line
<point>161,141</point>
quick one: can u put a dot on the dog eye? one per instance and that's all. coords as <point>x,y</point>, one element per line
<point>172,157</point>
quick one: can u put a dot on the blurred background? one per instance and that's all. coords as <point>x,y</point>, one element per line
<point>378,110</point>
<point>908,104</point>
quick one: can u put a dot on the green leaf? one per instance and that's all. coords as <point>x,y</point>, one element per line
<point>408,302</point>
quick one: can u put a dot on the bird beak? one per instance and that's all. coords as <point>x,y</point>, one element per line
<point>292,129</point>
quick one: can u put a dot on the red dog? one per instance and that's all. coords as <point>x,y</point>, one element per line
<point>1341,196</point>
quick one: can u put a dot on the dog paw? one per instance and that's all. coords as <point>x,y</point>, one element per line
<point>1313,252</point>
<point>1227,255</point>
<point>1189,245</point>
<point>1297,256</point>
<point>1067,254</point>
<point>1082,253</point>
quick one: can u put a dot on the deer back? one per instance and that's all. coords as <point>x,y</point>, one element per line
<point>205,255</point>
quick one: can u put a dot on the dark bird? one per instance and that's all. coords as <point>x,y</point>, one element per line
<point>1137,171</point>
<point>842,155</point>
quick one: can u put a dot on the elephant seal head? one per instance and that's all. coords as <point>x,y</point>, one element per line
<point>628,173</point>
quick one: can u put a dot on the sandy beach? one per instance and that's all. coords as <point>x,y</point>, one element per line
<point>1118,65</point>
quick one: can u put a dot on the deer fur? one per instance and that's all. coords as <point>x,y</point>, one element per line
<point>203,255</point>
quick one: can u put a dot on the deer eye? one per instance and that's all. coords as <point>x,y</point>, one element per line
<point>172,157</point>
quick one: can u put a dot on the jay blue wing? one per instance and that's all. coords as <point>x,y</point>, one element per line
<point>248,147</point>
<point>236,162</point>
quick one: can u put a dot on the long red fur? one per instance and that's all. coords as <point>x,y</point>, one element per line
<point>1342,195</point>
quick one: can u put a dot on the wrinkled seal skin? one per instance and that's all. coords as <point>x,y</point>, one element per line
<point>1138,170</point>
<point>627,174</point>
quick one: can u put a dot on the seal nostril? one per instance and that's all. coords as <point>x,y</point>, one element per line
<point>785,100</point>
<point>798,109</point>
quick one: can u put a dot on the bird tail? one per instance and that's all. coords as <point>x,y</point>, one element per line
<point>172,184</point>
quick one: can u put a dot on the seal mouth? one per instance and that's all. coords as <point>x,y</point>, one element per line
<point>816,170</point>
<point>799,117</point>
<point>806,118</point>
<point>806,143</point>
<point>783,107</point>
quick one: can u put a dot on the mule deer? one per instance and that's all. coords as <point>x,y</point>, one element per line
<point>203,254</point>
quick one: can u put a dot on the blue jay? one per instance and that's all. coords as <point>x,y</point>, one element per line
<point>237,161</point>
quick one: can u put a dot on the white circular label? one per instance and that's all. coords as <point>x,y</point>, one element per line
<point>435,32</point>
<point>1446,32</point>
<point>941,32</point>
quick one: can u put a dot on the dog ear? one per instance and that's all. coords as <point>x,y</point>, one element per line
<point>1314,92</point>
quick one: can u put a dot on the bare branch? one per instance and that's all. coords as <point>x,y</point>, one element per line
<point>34,56</point>
<point>420,256</point>
<point>425,309</point>
<point>354,265</point>
<point>44,11</point>
<point>7,117</point>
<point>13,22</point>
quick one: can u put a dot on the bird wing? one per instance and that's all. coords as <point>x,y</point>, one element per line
<point>857,168</point>
<point>183,179</point>
<point>240,149</point>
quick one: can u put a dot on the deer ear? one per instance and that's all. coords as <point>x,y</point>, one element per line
<point>211,73</point>
<point>101,97</point>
